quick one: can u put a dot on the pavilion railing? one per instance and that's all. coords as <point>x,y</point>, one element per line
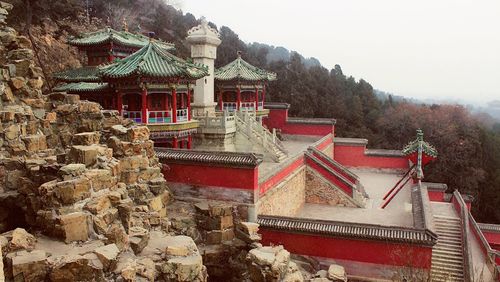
<point>250,127</point>
<point>260,105</point>
<point>133,115</point>
<point>159,117</point>
<point>229,106</point>
<point>182,115</point>
<point>247,106</point>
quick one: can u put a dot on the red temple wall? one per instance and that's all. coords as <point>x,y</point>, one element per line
<point>377,252</point>
<point>278,177</point>
<point>307,129</point>
<point>493,239</point>
<point>330,177</point>
<point>350,155</point>
<point>278,118</point>
<point>436,196</point>
<point>209,175</point>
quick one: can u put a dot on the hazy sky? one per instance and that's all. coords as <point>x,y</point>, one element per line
<point>425,49</point>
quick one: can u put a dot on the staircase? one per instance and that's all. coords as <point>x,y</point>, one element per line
<point>253,130</point>
<point>447,258</point>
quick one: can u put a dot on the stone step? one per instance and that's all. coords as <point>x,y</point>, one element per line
<point>444,258</point>
<point>446,276</point>
<point>449,252</point>
<point>446,217</point>
<point>457,232</point>
<point>447,224</point>
<point>447,266</point>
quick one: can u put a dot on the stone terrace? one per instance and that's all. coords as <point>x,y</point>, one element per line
<point>376,183</point>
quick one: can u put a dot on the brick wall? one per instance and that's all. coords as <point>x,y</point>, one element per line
<point>286,198</point>
<point>319,191</point>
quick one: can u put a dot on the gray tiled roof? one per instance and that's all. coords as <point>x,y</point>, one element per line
<point>348,230</point>
<point>211,157</point>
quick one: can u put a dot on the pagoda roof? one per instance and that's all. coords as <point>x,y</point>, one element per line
<point>240,70</point>
<point>107,35</point>
<point>85,74</point>
<point>82,87</point>
<point>153,61</point>
<point>413,146</point>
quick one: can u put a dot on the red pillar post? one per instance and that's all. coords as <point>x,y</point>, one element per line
<point>111,58</point>
<point>181,96</point>
<point>189,103</point>
<point>144,106</point>
<point>174,107</point>
<point>174,142</point>
<point>190,140</point>
<point>238,98</point>
<point>256,99</point>
<point>119,102</point>
<point>263,94</point>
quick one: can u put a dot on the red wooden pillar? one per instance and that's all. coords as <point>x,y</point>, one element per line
<point>263,94</point>
<point>181,96</point>
<point>166,102</point>
<point>221,103</point>
<point>119,102</point>
<point>190,140</point>
<point>174,107</point>
<point>256,99</point>
<point>144,106</point>
<point>189,103</point>
<point>111,58</point>
<point>238,98</point>
<point>174,142</point>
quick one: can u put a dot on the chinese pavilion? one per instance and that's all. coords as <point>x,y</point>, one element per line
<point>242,86</point>
<point>146,85</point>
<point>100,47</point>
<point>138,77</point>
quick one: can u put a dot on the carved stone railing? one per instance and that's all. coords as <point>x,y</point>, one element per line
<point>253,130</point>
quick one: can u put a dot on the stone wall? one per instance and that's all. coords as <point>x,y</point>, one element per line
<point>320,191</point>
<point>328,150</point>
<point>287,198</point>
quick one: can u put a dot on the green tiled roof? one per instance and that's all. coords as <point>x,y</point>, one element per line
<point>107,35</point>
<point>242,71</point>
<point>82,87</point>
<point>413,146</point>
<point>153,61</point>
<point>86,74</point>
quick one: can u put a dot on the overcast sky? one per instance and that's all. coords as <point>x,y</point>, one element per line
<point>425,49</point>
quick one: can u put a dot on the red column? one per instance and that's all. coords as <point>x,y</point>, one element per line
<point>238,98</point>
<point>166,102</point>
<point>174,108</point>
<point>190,140</point>
<point>220,101</point>
<point>174,142</point>
<point>182,100</point>
<point>111,58</point>
<point>144,106</point>
<point>189,103</point>
<point>256,99</point>
<point>263,93</point>
<point>119,101</point>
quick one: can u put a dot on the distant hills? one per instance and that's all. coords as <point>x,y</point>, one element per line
<point>279,53</point>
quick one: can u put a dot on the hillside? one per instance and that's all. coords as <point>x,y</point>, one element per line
<point>469,150</point>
